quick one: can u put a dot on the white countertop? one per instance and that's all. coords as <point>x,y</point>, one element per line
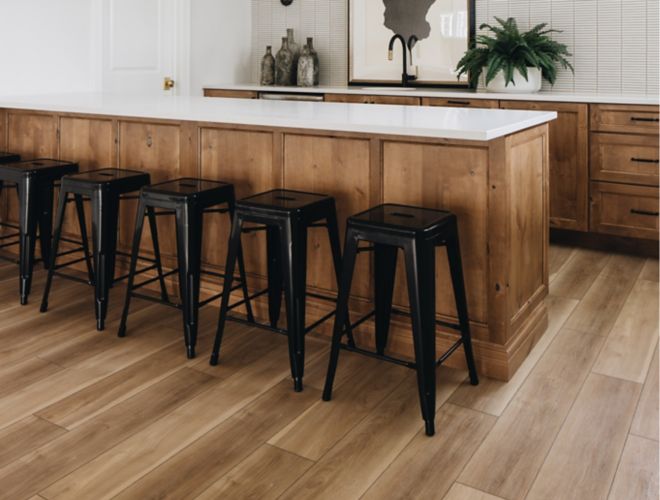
<point>453,94</point>
<point>415,121</point>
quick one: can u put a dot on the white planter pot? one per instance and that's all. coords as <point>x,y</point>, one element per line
<point>519,84</point>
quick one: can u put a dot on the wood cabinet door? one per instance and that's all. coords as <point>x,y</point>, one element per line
<point>569,162</point>
<point>238,94</point>
<point>625,210</point>
<point>374,99</point>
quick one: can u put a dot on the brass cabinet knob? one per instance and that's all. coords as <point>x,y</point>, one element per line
<point>168,83</point>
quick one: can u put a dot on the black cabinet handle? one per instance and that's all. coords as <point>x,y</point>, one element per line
<point>640,119</point>
<point>644,160</point>
<point>644,212</point>
<point>461,103</point>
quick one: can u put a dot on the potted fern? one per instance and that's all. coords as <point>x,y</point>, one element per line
<point>513,61</point>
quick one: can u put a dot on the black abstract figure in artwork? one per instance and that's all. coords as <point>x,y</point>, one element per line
<point>408,17</point>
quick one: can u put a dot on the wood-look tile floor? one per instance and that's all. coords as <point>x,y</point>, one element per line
<point>85,415</point>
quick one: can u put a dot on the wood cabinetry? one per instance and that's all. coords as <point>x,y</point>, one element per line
<point>459,102</point>
<point>625,157</point>
<point>569,162</point>
<point>238,94</point>
<point>374,99</point>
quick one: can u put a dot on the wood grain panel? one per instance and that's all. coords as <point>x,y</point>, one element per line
<point>625,158</point>
<point>340,168</point>
<point>373,99</point>
<point>461,492</point>
<point>569,162</point>
<point>236,94</point>
<point>26,436</point>
<point>449,178</point>
<point>646,419</point>
<point>156,149</point>
<point>246,159</point>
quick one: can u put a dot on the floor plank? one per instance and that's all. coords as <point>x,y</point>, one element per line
<point>579,273</point>
<point>645,423</point>
<point>358,459</point>
<point>509,458</point>
<point>600,306</point>
<point>35,471</point>
<point>26,436</point>
<point>369,384</point>
<point>650,271</point>
<point>426,468</point>
<point>265,475</point>
<point>200,465</point>
<point>119,467</point>
<point>461,492</point>
<point>637,476</point>
<point>578,465</point>
<point>492,396</point>
<point>629,348</point>
<point>558,256</point>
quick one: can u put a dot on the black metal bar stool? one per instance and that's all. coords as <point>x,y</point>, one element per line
<point>104,188</point>
<point>417,231</point>
<point>35,181</point>
<point>189,200</point>
<point>286,216</point>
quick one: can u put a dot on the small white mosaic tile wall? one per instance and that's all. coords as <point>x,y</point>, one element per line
<point>615,43</point>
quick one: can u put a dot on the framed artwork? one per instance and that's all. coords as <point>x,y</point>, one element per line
<point>439,32</point>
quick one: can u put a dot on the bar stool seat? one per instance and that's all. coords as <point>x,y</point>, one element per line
<point>35,182</point>
<point>104,188</point>
<point>189,199</point>
<point>418,232</point>
<point>286,216</point>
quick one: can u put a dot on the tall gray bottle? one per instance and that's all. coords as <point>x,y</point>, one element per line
<point>295,50</point>
<point>305,68</point>
<point>268,67</point>
<point>284,64</point>
<point>315,57</point>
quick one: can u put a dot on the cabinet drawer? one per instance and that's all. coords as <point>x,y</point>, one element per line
<point>624,210</point>
<point>373,99</point>
<point>457,102</point>
<point>237,94</point>
<point>625,158</point>
<point>627,119</point>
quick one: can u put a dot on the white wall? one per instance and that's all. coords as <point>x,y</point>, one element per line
<point>221,42</point>
<point>46,46</point>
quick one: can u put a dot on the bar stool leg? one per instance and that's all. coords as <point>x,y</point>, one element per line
<point>241,270</point>
<point>45,222</point>
<point>273,250</point>
<point>59,221</point>
<point>456,267</point>
<point>28,221</point>
<point>105,212</point>
<point>348,267</point>
<point>420,274</point>
<point>335,246</point>
<point>153,227</point>
<point>232,252</point>
<point>189,222</point>
<point>135,250</point>
<point>293,242</point>
<point>384,273</point>
<point>80,209</point>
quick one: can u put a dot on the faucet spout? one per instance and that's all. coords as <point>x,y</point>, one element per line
<point>405,77</point>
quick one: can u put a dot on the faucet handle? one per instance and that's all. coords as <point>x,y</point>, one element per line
<point>390,55</point>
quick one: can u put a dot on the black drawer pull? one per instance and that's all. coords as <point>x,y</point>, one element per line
<point>640,119</point>
<point>461,103</point>
<point>644,212</point>
<point>644,160</point>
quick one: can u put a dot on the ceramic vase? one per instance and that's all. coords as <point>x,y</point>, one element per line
<point>315,57</point>
<point>284,65</point>
<point>268,67</point>
<point>305,68</point>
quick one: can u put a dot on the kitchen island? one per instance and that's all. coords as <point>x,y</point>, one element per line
<point>490,167</point>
